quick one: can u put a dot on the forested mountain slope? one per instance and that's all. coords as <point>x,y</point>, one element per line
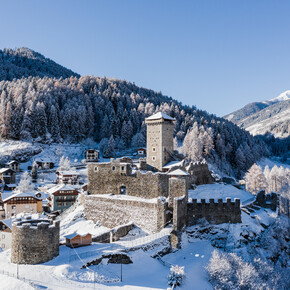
<point>72,109</point>
<point>24,62</point>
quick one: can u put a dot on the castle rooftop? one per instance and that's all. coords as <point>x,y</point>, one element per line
<point>178,172</point>
<point>160,115</point>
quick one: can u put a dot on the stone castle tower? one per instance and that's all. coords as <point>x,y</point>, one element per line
<point>159,140</point>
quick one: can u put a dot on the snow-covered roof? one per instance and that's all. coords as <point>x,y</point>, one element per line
<point>64,172</point>
<point>11,162</point>
<point>61,187</point>
<point>2,170</point>
<point>7,223</point>
<point>21,194</point>
<point>160,115</point>
<point>11,185</point>
<point>178,172</point>
<point>173,164</point>
<point>73,235</point>
<point>43,160</point>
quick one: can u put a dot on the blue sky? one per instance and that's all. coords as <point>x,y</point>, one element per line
<point>217,55</point>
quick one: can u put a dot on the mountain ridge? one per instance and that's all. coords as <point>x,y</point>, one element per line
<point>259,118</point>
<point>25,62</point>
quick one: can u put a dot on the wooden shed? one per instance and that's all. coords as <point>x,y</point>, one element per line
<point>77,240</point>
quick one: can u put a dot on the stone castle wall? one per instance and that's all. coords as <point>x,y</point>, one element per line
<point>214,212</point>
<point>109,178</point>
<point>34,242</point>
<point>284,205</point>
<point>179,213</point>
<point>199,173</point>
<point>177,188</point>
<point>112,211</point>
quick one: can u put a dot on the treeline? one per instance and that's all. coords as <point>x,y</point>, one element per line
<point>73,109</point>
<point>24,62</point>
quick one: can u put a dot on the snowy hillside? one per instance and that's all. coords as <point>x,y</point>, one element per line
<point>271,116</point>
<point>149,270</point>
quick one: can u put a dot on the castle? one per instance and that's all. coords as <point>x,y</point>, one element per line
<point>153,192</point>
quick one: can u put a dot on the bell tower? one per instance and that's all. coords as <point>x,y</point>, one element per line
<point>159,140</point>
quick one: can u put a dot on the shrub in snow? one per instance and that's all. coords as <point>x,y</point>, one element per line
<point>176,275</point>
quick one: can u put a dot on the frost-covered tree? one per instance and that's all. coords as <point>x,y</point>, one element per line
<point>34,172</point>
<point>255,179</point>
<point>64,163</point>
<point>138,140</point>
<point>25,183</point>
<point>110,148</point>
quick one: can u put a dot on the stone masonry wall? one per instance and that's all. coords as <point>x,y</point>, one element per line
<point>179,213</point>
<point>177,188</point>
<point>199,173</point>
<point>108,178</point>
<point>214,212</point>
<point>34,242</point>
<point>113,211</point>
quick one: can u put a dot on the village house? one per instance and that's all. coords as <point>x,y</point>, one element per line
<point>62,197</point>
<point>141,152</point>
<point>5,234</point>
<point>77,240</point>
<point>7,176</point>
<point>67,177</point>
<point>2,211</point>
<point>22,203</point>
<point>92,155</point>
<point>14,165</point>
<point>44,163</point>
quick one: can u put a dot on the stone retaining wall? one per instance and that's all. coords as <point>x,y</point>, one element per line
<point>112,212</point>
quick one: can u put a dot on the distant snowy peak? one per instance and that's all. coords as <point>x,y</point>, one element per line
<point>282,97</point>
<point>272,116</point>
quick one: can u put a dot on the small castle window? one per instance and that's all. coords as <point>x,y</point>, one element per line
<point>153,158</point>
<point>153,149</point>
<point>96,169</point>
<point>123,168</point>
<point>113,168</point>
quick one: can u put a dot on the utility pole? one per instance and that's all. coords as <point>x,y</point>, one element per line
<point>18,262</point>
<point>121,272</point>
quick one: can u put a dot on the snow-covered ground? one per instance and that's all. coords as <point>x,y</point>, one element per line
<point>219,190</point>
<point>13,283</point>
<point>74,221</point>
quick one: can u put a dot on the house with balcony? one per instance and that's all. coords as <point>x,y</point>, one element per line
<point>62,197</point>
<point>21,202</point>
<point>92,155</point>
<point>67,177</point>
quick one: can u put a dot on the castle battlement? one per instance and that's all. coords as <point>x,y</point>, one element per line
<point>34,241</point>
